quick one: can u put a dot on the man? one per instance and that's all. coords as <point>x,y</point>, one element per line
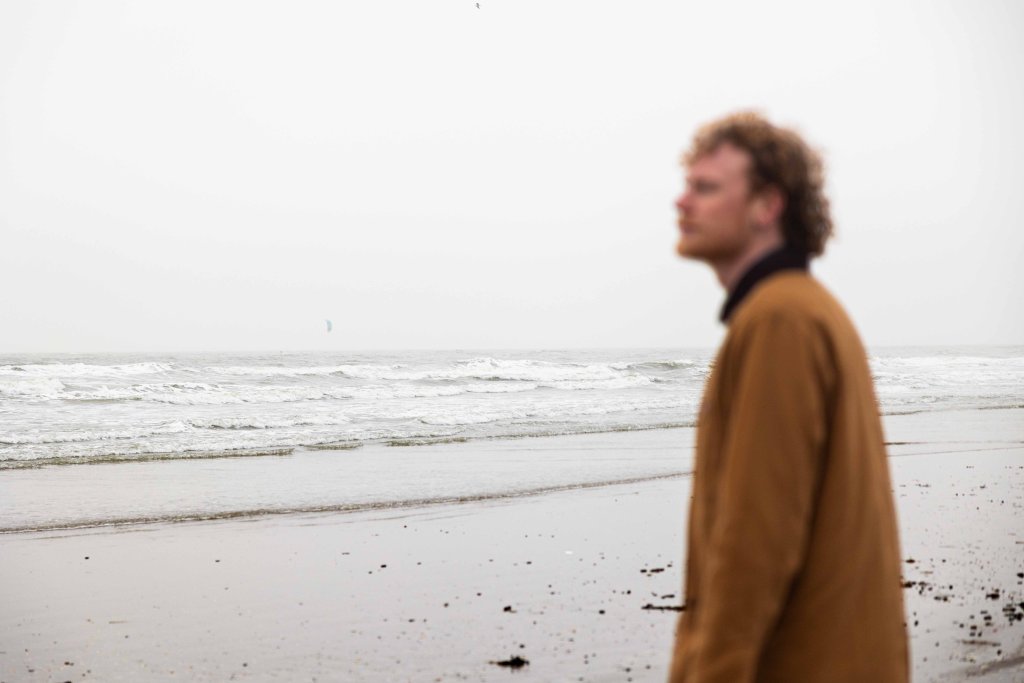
<point>793,564</point>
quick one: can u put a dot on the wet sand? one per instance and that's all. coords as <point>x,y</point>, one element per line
<point>564,586</point>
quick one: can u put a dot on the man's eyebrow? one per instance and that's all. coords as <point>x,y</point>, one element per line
<point>691,180</point>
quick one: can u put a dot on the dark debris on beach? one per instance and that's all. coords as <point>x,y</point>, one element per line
<point>974,626</point>
<point>669,608</point>
<point>515,662</point>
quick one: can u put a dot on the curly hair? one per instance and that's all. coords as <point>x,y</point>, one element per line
<point>779,158</point>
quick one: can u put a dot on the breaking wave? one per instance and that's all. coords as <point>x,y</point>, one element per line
<point>70,408</point>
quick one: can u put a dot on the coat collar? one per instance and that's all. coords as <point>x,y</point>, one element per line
<point>785,258</point>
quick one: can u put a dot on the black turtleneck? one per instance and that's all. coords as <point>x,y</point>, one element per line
<point>785,258</point>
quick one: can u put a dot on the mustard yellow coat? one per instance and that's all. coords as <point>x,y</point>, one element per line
<point>793,562</point>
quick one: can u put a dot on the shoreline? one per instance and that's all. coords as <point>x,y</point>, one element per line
<point>382,476</point>
<point>340,481</point>
<point>245,515</point>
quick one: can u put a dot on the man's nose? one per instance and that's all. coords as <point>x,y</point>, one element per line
<point>683,201</point>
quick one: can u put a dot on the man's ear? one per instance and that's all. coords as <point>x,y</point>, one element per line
<point>769,204</point>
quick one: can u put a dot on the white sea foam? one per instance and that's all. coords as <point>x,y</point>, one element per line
<point>944,361</point>
<point>278,371</point>
<point>656,365</point>
<point>546,412</point>
<point>121,405</point>
<point>83,435</point>
<point>232,422</point>
<point>83,369</point>
<point>602,384</point>
<point>30,388</point>
<point>198,393</point>
<point>485,368</point>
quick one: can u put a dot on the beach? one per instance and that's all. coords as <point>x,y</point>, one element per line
<point>370,342</point>
<point>563,583</point>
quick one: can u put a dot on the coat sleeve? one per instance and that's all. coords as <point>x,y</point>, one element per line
<point>764,495</point>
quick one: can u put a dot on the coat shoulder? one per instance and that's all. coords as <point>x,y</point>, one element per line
<point>792,297</point>
<point>793,313</point>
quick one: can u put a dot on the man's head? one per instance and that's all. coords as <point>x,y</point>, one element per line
<point>751,187</point>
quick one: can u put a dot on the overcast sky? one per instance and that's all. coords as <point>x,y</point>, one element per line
<point>429,174</point>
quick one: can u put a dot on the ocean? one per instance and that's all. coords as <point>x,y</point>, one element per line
<point>59,413</point>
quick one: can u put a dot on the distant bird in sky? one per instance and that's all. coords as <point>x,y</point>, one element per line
<point>478,5</point>
<point>330,325</point>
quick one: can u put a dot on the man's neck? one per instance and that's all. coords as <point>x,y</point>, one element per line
<point>729,273</point>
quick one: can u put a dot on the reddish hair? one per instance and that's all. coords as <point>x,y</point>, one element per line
<point>781,159</point>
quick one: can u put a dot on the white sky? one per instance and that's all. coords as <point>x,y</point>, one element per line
<point>226,175</point>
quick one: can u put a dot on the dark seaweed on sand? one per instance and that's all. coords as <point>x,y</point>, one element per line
<point>514,663</point>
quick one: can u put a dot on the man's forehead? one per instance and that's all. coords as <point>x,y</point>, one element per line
<point>722,160</point>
